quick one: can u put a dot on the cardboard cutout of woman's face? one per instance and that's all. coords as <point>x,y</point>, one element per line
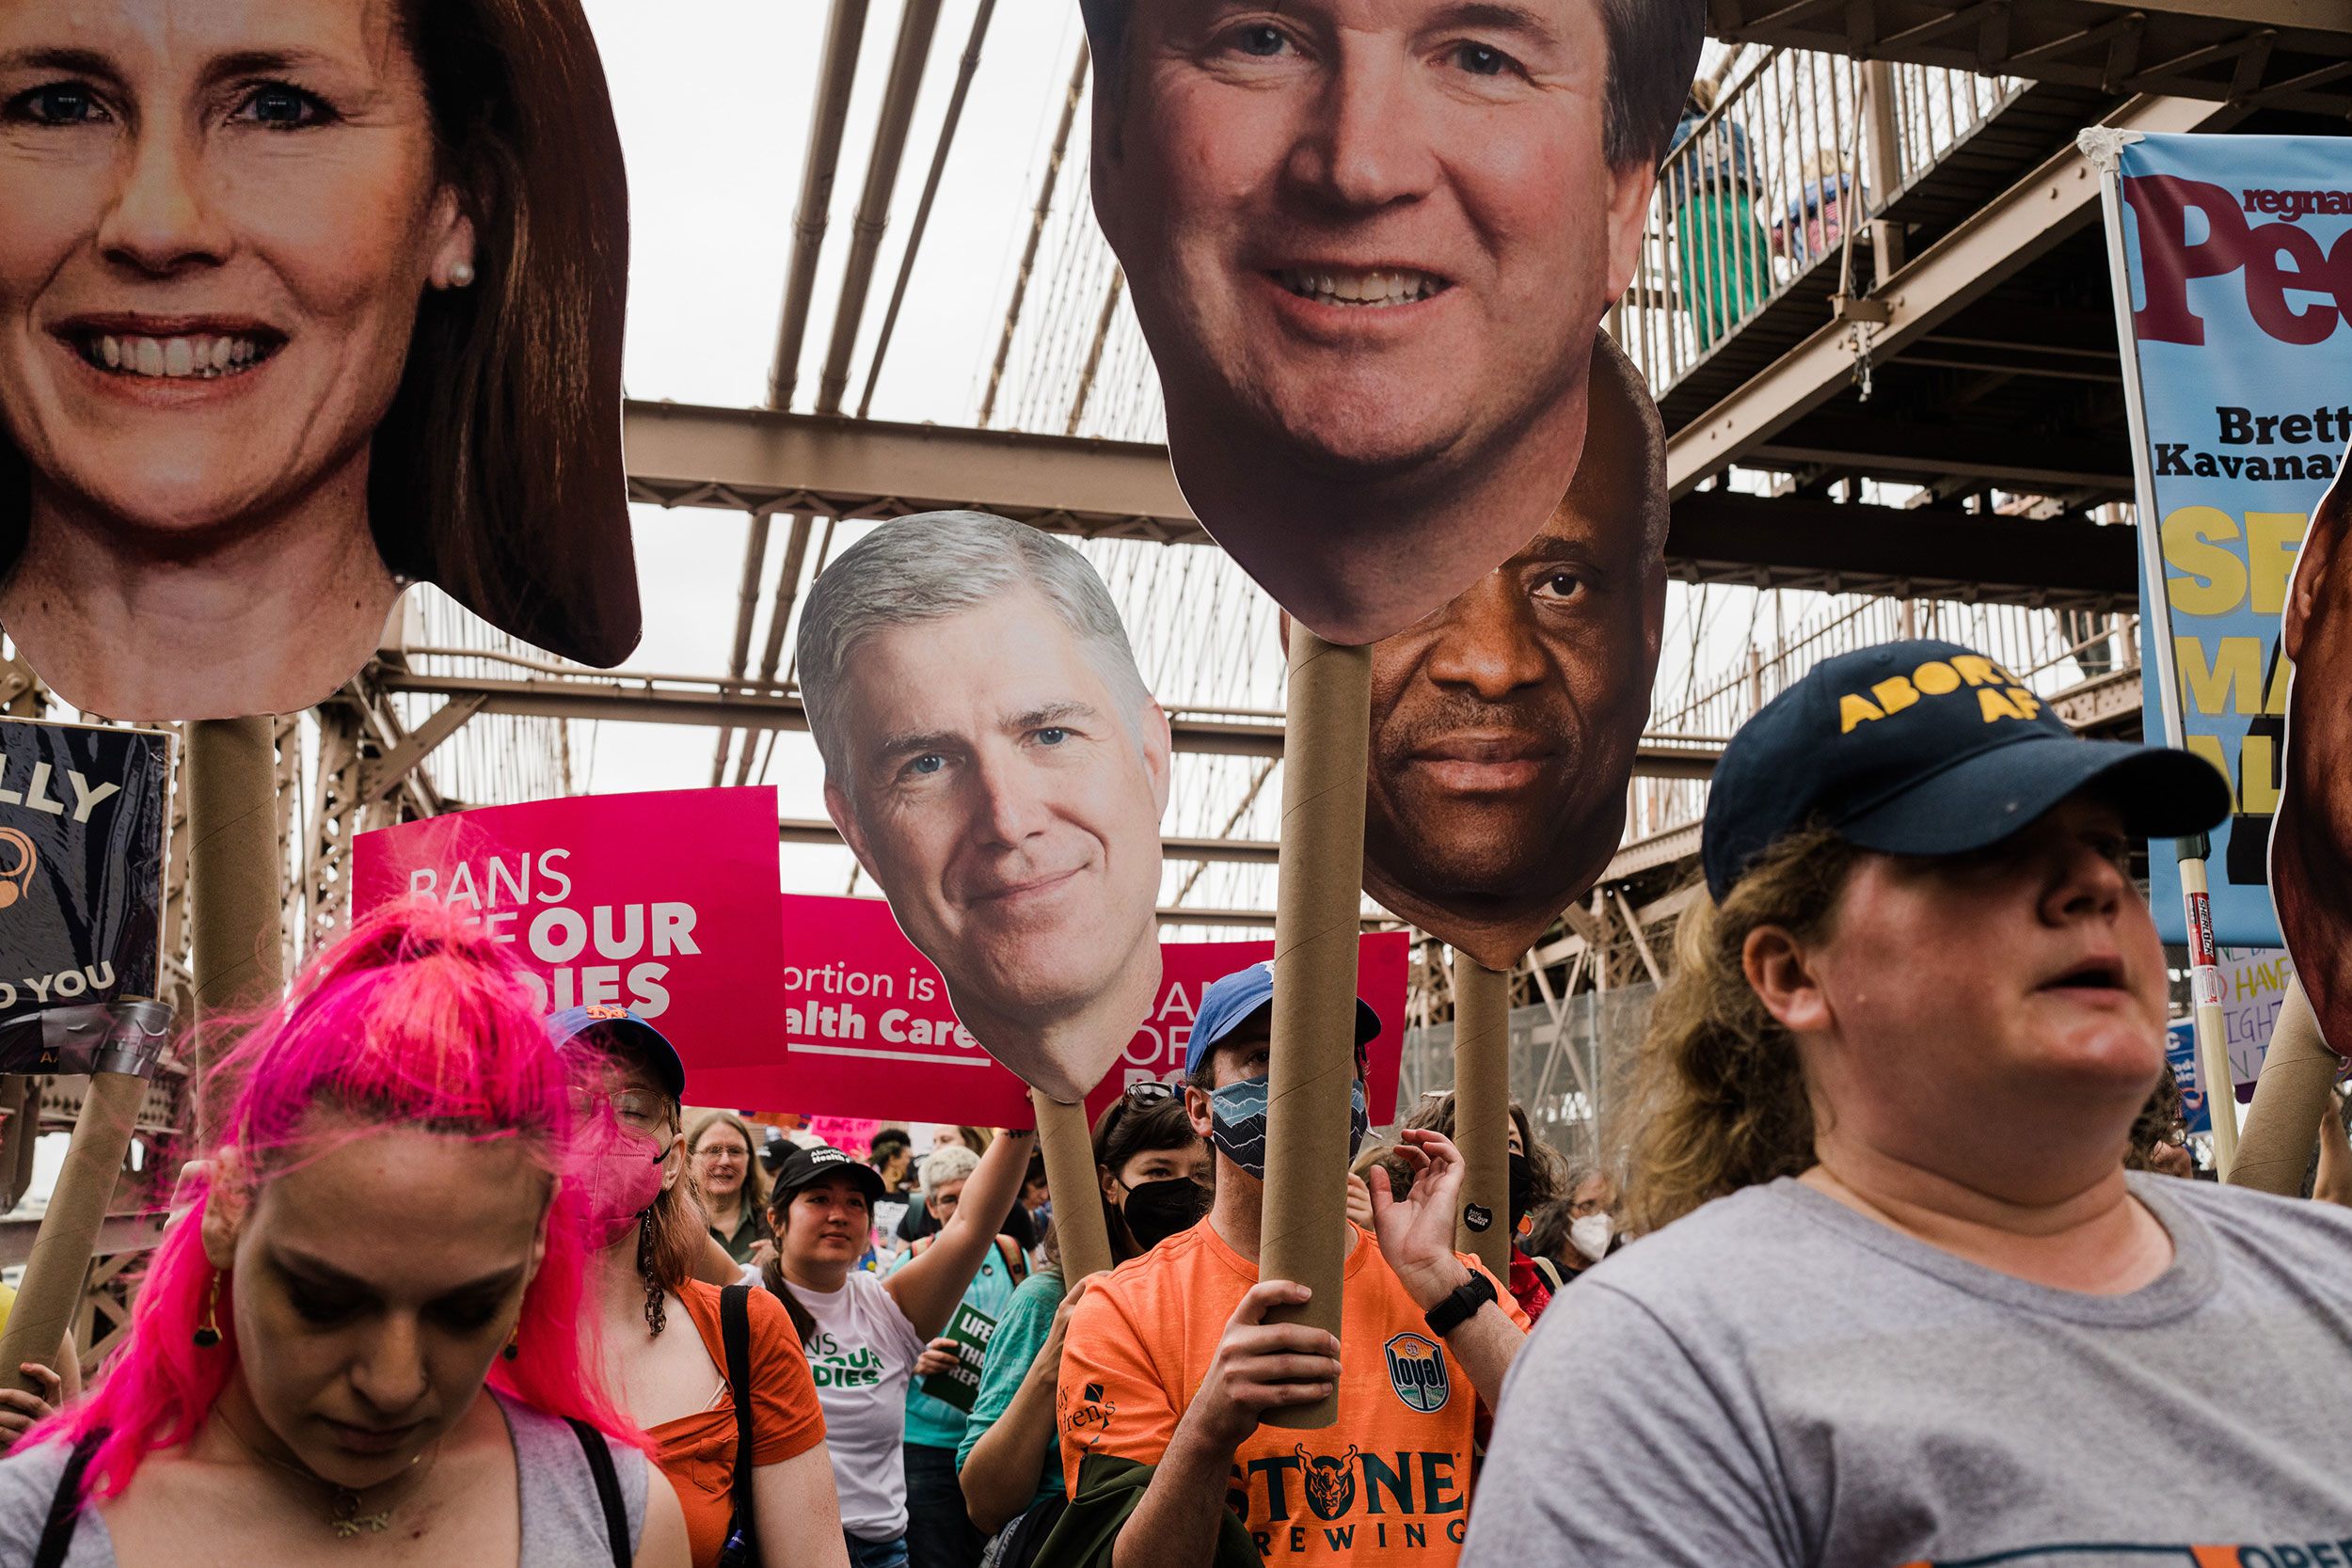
<point>217,280</point>
<point>1369,247</point>
<point>1003,784</point>
<point>2311,838</point>
<point>1505,725</point>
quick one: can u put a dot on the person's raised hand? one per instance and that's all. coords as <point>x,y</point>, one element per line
<point>1359,1202</point>
<point>937,1357</point>
<point>20,1409</point>
<point>1262,1366</point>
<point>1416,1232</point>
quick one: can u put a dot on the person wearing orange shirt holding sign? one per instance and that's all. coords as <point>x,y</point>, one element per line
<point>1171,1364</point>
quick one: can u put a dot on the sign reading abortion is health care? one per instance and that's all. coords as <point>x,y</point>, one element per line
<point>2238,270</point>
<point>665,902</point>
<point>859,1024</point>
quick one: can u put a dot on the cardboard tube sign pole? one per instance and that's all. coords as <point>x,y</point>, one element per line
<point>52,1291</point>
<point>1315,919</point>
<point>1078,1229</point>
<point>1481,1110</point>
<point>2290,1097</point>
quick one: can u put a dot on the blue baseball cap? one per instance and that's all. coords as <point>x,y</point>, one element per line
<point>1233,1001</point>
<point>623,1029</point>
<point>1928,748</point>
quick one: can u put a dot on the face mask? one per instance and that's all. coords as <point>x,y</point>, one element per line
<point>1237,1122</point>
<point>1522,1191</point>
<point>1154,1211</point>
<point>1591,1234</point>
<point>620,1171</point>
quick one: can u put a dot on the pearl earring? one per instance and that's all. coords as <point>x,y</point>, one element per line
<point>460,274</point>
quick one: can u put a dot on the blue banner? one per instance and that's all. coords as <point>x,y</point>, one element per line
<point>2238,263</point>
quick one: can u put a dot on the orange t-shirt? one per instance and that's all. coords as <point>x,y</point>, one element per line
<point>697,1451</point>
<point>1389,1483</point>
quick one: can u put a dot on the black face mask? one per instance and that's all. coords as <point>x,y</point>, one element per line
<point>1157,1210</point>
<point>1522,1191</point>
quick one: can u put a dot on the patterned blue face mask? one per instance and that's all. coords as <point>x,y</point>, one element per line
<point>1237,1122</point>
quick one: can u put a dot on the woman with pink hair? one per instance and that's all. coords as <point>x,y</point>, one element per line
<point>379,1234</point>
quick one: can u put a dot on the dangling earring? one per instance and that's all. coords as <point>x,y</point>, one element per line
<point>514,1344</point>
<point>460,274</point>
<point>207,1332</point>
<point>656,1318</point>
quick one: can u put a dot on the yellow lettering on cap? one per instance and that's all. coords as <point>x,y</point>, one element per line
<point>2028,703</point>
<point>1935,677</point>
<point>1853,709</point>
<point>1894,693</point>
<point>1994,706</point>
<point>1975,669</point>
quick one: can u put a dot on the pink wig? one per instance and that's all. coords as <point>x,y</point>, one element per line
<point>413,1018</point>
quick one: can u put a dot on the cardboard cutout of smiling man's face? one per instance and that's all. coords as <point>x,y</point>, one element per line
<point>1369,243</point>
<point>2311,839</point>
<point>993,760</point>
<point>1505,725</point>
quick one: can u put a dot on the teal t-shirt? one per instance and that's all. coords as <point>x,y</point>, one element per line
<point>1021,1333</point>
<point>935,1422</point>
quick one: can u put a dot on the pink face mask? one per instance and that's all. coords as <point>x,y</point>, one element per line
<point>620,1172</point>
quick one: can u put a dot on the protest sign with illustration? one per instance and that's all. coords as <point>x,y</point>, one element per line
<point>437,399</point>
<point>2244,367</point>
<point>83,816</point>
<point>666,903</point>
<point>1007,807</point>
<point>1371,330</point>
<point>859,1022</point>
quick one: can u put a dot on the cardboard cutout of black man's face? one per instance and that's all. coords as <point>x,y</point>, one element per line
<point>994,761</point>
<point>276,336</point>
<point>2311,839</point>
<point>1505,725</point>
<point>1369,243</point>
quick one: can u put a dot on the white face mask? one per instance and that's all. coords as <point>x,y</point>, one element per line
<point>1591,1234</point>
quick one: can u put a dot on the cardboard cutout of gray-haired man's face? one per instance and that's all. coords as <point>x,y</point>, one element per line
<point>1007,801</point>
<point>1505,726</point>
<point>1369,246</point>
<point>2311,838</point>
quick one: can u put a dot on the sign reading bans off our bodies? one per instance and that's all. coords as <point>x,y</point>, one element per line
<point>859,1024</point>
<point>83,810</point>
<point>2238,267</point>
<point>665,902</point>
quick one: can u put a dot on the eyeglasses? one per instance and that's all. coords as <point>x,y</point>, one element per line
<point>1146,1091</point>
<point>633,1108</point>
<point>722,1151</point>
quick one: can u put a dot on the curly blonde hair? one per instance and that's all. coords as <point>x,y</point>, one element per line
<point>1717,1099</point>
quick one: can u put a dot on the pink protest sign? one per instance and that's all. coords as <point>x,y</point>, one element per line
<point>664,902</point>
<point>860,1026</point>
<point>854,1134</point>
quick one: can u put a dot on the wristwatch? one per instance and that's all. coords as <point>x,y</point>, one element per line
<point>1462,1305</point>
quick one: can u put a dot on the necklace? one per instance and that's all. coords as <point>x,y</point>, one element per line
<point>343,1508</point>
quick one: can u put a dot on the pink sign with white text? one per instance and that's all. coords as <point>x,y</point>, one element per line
<point>667,903</point>
<point>860,1026</point>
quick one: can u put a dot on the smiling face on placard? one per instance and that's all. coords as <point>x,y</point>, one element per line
<point>1505,725</point>
<point>1369,243</point>
<point>1000,773</point>
<point>2311,839</point>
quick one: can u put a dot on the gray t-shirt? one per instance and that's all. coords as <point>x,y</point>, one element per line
<point>1777,1379</point>
<point>562,1523</point>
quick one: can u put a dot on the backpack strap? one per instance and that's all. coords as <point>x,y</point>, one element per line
<point>735,1335</point>
<point>1550,1270</point>
<point>65,1507</point>
<point>608,1489</point>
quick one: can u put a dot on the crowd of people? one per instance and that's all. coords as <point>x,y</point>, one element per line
<point>1888,1270</point>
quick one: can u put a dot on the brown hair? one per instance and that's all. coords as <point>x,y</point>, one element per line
<point>497,473</point>
<point>671,1238</point>
<point>1718,1097</point>
<point>2160,1122</point>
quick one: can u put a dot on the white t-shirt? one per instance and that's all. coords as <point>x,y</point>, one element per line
<point>859,1356</point>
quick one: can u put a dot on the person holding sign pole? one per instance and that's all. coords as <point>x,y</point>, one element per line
<point>381,1235</point>
<point>1897,1299</point>
<point>1169,1365</point>
<point>865,1333</point>
<point>627,1085</point>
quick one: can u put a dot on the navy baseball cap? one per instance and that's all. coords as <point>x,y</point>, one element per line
<point>1233,1001</point>
<point>626,1031</point>
<point>1928,748</point>
<point>803,1166</point>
